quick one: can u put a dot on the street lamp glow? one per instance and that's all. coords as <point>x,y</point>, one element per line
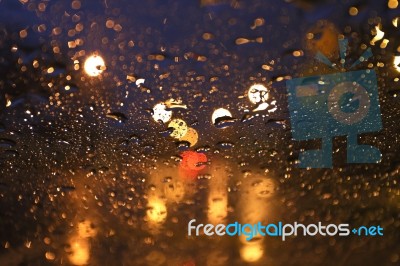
<point>94,65</point>
<point>251,252</point>
<point>219,113</point>
<point>258,93</point>
<point>396,63</point>
<point>160,113</point>
<point>157,211</point>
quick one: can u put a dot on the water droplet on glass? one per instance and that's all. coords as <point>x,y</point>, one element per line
<point>7,143</point>
<point>9,154</point>
<point>120,117</point>
<point>247,118</point>
<point>203,149</point>
<point>134,139</point>
<point>167,132</point>
<point>225,121</point>
<point>264,187</point>
<point>183,145</point>
<point>225,145</point>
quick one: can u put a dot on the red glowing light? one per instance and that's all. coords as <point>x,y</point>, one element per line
<point>193,161</point>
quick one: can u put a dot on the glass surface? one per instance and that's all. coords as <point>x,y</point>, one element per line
<point>121,121</point>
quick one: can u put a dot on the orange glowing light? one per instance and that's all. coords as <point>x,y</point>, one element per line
<point>191,136</point>
<point>251,253</point>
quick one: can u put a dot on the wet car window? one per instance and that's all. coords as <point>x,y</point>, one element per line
<point>196,132</point>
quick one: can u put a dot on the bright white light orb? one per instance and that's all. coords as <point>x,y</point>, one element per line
<point>219,113</point>
<point>160,112</point>
<point>94,65</point>
<point>258,93</point>
<point>396,63</point>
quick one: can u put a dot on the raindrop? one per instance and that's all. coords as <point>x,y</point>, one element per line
<point>55,72</point>
<point>276,123</point>
<point>174,191</point>
<point>240,41</point>
<point>204,176</point>
<point>140,82</point>
<point>7,143</point>
<point>183,145</point>
<point>203,149</point>
<point>134,139</point>
<point>225,121</point>
<point>247,118</point>
<point>103,169</point>
<point>124,143</point>
<point>261,107</point>
<point>120,117</point>
<point>167,132</point>
<point>148,149</point>
<point>71,88</point>
<point>176,158</point>
<point>195,123</point>
<point>225,145</point>
<point>9,154</point>
<point>264,188</point>
<point>167,179</point>
<point>175,104</point>
<point>67,188</point>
